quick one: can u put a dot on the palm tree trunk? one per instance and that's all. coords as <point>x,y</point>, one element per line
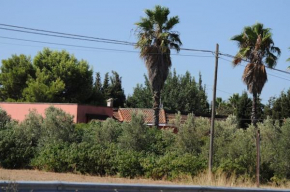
<point>156,104</point>
<point>254,110</point>
<point>254,122</point>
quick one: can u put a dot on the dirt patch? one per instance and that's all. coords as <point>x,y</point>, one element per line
<point>35,175</point>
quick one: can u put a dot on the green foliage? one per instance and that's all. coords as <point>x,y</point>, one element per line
<point>142,96</point>
<point>97,97</point>
<point>57,126</point>
<point>108,132</point>
<point>52,157</point>
<point>180,93</point>
<point>128,163</point>
<point>132,149</point>
<point>279,108</point>
<point>15,71</point>
<point>234,148</point>
<point>16,150</point>
<point>134,135</point>
<point>189,136</point>
<point>79,158</point>
<point>4,119</point>
<point>244,110</point>
<point>60,77</point>
<point>224,107</point>
<point>110,88</point>
<point>172,165</point>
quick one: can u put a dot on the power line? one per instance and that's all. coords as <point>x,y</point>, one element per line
<point>89,47</point>
<point>267,73</point>
<point>69,34</point>
<point>231,56</point>
<point>103,40</point>
<point>81,37</point>
<point>61,36</point>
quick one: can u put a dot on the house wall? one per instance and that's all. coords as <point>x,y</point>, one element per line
<point>18,111</point>
<point>83,110</point>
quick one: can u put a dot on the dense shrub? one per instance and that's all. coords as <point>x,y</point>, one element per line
<point>132,149</point>
<point>134,135</point>
<point>76,157</point>
<point>52,157</point>
<point>57,126</point>
<point>4,119</point>
<point>172,165</point>
<point>128,163</point>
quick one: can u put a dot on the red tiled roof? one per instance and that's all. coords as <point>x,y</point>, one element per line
<point>124,114</point>
<point>170,118</point>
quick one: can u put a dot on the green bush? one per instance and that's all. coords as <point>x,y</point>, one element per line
<point>172,165</point>
<point>128,163</point>
<point>16,150</point>
<point>52,157</point>
<point>92,159</point>
<point>108,132</point>
<point>235,149</point>
<point>57,126</point>
<point>134,135</point>
<point>4,119</point>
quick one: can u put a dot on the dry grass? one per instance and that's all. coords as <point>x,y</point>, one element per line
<point>219,179</point>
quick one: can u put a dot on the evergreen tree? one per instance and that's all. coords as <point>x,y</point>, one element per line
<point>15,72</point>
<point>105,88</point>
<point>180,93</point>
<point>244,110</point>
<point>97,97</point>
<point>116,91</point>
<point>59,77</point>
<point>279,108</point>
<point>141,97</point>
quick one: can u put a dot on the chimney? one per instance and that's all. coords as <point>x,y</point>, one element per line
<point>110,102</point>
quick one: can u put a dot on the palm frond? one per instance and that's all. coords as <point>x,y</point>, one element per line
<point>258,28</point>
<point>275,50</point>
<point>238,38</point>
<point>271,60</point>
<point>250,35</point>
<point>171,23</point>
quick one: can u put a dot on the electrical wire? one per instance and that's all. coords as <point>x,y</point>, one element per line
<point>89,47</point>
<point>231,56</point>
<point>267,73</point>
<point>104,40</point>
<point>61,36</point>
<point>69,34</point>
<point>81,37</point>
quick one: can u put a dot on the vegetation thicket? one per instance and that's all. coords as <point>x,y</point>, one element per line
<point>55,143</point>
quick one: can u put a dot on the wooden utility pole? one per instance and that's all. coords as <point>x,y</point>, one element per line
<point>213,113</point>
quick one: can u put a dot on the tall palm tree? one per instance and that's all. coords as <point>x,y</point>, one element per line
<point>257,46</point>
<point>155,39</point>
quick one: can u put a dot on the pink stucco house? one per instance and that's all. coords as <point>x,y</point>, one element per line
<point>81,113</point>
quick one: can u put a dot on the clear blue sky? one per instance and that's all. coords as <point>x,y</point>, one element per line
<point>202,25</point>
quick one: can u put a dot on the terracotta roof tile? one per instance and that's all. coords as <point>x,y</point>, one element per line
<point>116,115</point>
<point>126,113</point>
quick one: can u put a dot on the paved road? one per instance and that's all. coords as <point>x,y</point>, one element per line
<point>27,186</point>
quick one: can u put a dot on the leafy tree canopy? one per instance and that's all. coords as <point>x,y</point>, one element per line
<point>181,93</point>
<point>15,71</point>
